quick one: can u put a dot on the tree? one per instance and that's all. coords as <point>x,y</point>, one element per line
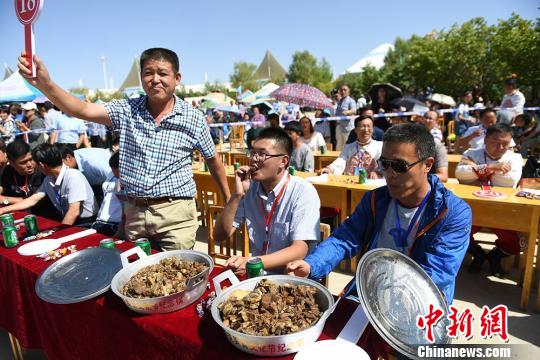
<point>359,83</point>
<point>305,69</point>
<point>243,74</point>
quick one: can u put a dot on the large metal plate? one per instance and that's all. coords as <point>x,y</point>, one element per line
<point>394,290</point>
<point>79,276</point>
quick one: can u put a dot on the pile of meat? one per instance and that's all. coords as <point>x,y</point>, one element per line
<point>271,309</point>
<point>166,278</point>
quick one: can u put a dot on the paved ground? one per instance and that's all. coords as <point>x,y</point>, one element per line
<point>472,292</point>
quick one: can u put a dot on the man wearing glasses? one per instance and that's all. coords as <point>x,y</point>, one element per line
<point>494,164</point>
<point>281,211</point>
<point>413,214</point>
<point>346,106</point>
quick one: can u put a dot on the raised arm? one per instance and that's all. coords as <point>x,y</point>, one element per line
<point>60,97</point>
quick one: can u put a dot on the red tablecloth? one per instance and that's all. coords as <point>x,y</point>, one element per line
<point>105,328</point>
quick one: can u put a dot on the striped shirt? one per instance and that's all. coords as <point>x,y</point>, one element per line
<point>155,160</point>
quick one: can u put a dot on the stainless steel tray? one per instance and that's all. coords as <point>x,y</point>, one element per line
<point>79,276</point>
<point>394,290</point>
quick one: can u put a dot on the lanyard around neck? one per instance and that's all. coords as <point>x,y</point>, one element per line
<point>268,216</point>
<point>403,237</point>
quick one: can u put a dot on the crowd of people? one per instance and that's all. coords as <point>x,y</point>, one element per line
<point>147,188</point>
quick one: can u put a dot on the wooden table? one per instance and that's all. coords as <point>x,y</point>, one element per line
<point>322,160</point>
<point>509,213</point>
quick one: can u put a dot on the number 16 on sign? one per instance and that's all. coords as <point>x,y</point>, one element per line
<point>28,12</point>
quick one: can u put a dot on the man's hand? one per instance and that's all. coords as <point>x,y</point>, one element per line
<point>298,268</point>
<point>502,168</point>
<point>325,170</point>
<point>41,78</point>
<point>237,264</point>
<point>242,180</point>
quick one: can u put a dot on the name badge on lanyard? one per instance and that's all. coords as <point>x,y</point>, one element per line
<point>268,216</point>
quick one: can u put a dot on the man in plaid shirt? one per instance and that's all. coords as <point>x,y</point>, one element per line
<point>158,133</point>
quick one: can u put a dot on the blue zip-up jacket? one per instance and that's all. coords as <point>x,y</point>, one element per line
<point>441,241</point>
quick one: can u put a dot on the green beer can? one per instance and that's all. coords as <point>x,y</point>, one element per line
<point>107,244</point>
<point>292,170</point>
<point>10,236</point>
<point>7,220</point>
<point>362,175</point>
<point>30,223</point>
<point>144,244</point>
<point>254,267</point>
<point>322,149</point>
<point>236,166</point>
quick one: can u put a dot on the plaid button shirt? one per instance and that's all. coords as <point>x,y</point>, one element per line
<point>155,160</point>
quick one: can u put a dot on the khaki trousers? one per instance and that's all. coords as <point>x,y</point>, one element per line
<point>169,226</point>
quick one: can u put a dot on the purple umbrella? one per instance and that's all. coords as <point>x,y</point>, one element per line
<point>302,95</point>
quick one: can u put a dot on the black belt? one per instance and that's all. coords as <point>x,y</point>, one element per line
<point>143,201</point>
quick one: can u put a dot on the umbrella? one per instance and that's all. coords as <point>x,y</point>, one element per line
<point>218,98</point>
<point>442,99</point>
<point>245,95</point>
<point>392,91</point>
<point>209,104</point>
<point>264,92</point>
<point>261,104</point>
<point>302,95</point>
<point>231,109</point>
<point>410,103</point>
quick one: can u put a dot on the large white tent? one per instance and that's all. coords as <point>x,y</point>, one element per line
<point>16,89</point>
<point>375,58</point>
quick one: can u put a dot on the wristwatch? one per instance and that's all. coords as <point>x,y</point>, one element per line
<point>5,201</point>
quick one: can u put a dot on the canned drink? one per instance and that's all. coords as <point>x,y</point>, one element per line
<point>107,244</point>
<point>254,267</point>
<point>362,175</point>
<point>30,223</point>
<point>292,170</point>
<point>322,149</point>
<point>205,166</point>
<point>144,244</point>
<point>10,236</point>
<point>7,220</point>
<point>236,165</point>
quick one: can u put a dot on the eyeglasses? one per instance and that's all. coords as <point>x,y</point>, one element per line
<point>262,157</point>
<point>399,166</point>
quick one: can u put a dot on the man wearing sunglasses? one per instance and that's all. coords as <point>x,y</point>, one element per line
<point>494,164</point>
<point>281,211</point>
<point>413,214</point>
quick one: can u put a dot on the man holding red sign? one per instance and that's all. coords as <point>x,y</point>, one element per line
<point>158,133</point>
<point>494,164</point>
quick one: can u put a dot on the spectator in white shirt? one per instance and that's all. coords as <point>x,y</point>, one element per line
<point>513,98</point>
<point>364,152</point>
<point>474,136</point>
<point>313,139</point>
<point>109,215</point>
<point>498,165</point>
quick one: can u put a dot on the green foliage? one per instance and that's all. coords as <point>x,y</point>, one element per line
<point>243,75</point>
<point>306,69</point>
<point>359,83</point>
<point>106,97</point>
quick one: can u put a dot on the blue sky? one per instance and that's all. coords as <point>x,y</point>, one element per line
<point>209,36</point>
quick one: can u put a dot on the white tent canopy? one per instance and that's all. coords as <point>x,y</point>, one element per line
<point>16,89</point>
<point>375,58</point>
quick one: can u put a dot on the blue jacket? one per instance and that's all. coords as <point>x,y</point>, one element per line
<point>441,241</point>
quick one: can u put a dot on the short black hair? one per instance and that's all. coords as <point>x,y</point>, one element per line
<point>499,128</point>
<point>47,154</point>
<point>273,116</point>
<point>280,137</point>
<point>65,150</point>
<point>16,149</point>
<point>48,105</point>
<point>487,110</point>
<point>294,126</point>
<point>160,54</point>
<point>362,118</point>
<point>527,118</point>
<point>412,133</point>
<point>114,160</point>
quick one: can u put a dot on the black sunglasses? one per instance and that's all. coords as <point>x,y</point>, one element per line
<point>399,166</point>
